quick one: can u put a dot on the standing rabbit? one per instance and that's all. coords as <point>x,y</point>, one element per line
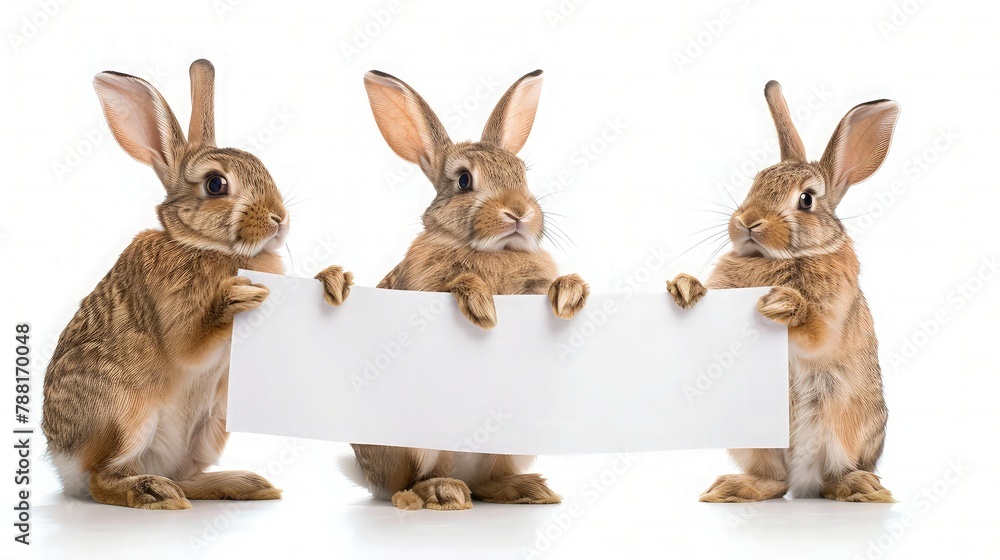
<point>136,391</point>
<point>786,234</point>
<point>481,238</point>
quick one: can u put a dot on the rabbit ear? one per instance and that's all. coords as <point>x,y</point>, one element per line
<point>513,116</point>
<point>405,120</point>
<point>201,131</point>
<point>859,145</point>
<point>788,138</point>
<point>140,120</point>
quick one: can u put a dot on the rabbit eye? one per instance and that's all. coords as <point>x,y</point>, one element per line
<point>465,181</point>
<point>217,185</point>
<point>805,201</point>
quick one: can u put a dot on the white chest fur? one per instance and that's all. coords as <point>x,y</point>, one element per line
<point>814,448</point>
<point>177,432</point>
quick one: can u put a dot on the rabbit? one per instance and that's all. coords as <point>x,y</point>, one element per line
<point>786,234</point>
<point>135,394</point>
<point>481,237</point>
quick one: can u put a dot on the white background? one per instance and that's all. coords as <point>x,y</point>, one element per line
<point>686,127</point>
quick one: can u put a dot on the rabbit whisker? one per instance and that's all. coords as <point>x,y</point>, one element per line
<point>291,262</point>
<point>540,198</point>
<point>738,205</point>
<point>709,228</point>
<point>561,235</point>
<point>549,237</point>
<point>856,216</point>
<point>726,206</point>
<point>727,215</point>
<point>714,237</point>
<point>715,253</point>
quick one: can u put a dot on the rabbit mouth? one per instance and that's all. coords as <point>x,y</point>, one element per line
<point>750,248</point>
<point>277,241</point>
<point>513,238</point>
<point>272,242</point>
<point>748,243</point>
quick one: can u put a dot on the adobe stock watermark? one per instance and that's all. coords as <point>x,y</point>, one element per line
<point>495,420</point>
<point>213,528</point>
<point>584,156</point>
<point>588,323</point>
<point>923,502</point>
<point>913,169</point>
<point>743,173</point>
<point>899,15</point>
<point>597,313</point>
<point>563,520</point>
<point>252,320</point>
<point>483,92</point>
<point>78,151</point>
<point>711,29</point>
<point>365,33</point>
<point>722,361</point>
<point>225,8</point>
<point>321,256</point>
<point>562,11</point>
<point>29,26</point>
<point>256,142</point>
<point>928,328</point>
<point>389,351</point>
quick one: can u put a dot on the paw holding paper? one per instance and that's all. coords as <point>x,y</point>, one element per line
<point>482,236</point>
<point>786,234</point>
<point>336,284</point>
<point>136,390</point>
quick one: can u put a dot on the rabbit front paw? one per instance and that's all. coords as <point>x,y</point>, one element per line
<point>336,284</point>
<point>243,295</point>
<point>686,290</point>
<point>475,300</point>
<point>568,294</point>
<point>783,305</point>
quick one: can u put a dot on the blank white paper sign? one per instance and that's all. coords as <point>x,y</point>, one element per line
<point>629,373</point>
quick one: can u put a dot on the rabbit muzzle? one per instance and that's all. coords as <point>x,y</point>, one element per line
<point>257,228</point>
<point>754,234</point>
<point>508,221</point>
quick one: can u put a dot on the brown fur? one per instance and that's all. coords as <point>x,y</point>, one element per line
<point>837,413</point>
<point>477,243</point>
<point>136,391</point>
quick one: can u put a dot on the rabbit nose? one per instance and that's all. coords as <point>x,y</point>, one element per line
<point>276,219</point>
<point>750,227</point>
<point>518,214</point>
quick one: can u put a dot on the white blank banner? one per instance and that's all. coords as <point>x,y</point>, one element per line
<point>631,372</point>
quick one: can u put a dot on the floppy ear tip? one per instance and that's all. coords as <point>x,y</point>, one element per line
<point>772,86</point>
